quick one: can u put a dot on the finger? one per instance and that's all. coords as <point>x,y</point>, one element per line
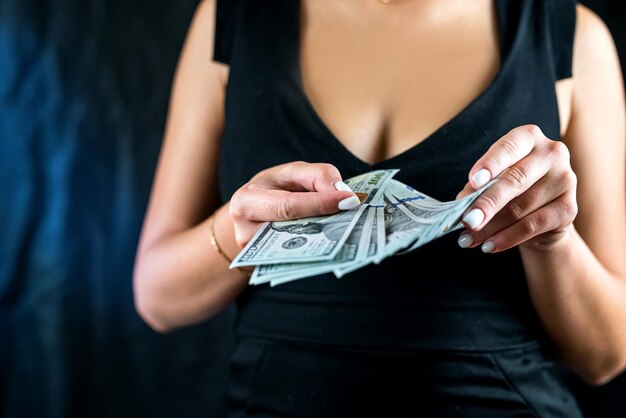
<point>540,194</point>
<point>302,176</point>
<point>554,217</point>
<point>514,181</point>
<point>505,152</point>
<point>468,189</point>
<point>245,231</point>
<point>262,204</point>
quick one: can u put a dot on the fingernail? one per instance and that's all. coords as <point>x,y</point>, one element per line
<point>488,247</point>
<point>474,218</point>
<point>481,177</point>
<point>465,240</point>
<point>349,203</point>
<point>342,187</point>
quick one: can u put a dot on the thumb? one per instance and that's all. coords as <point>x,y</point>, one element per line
<point>468,189</point>
<point>301,176</point>
<point>281,205</point>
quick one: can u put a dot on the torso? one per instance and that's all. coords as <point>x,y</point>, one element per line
<point>384,77</point>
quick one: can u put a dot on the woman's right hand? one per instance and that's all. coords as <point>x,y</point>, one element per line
<point>288,191</point>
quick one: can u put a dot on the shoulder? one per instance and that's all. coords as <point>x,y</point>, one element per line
<point>597,78</point>
<point>201,50</point>
<point>594,49</point>
<point>205,14</point>
<point>589,23</point>
<point>202,27</point>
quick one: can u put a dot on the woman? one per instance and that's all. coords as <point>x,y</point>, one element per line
<point>300,94</point>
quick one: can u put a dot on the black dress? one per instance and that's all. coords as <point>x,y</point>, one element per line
<point>438,332</point>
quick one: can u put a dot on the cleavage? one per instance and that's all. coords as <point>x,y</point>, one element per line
<point>383,84</point>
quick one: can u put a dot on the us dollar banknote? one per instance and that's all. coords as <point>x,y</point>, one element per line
<point>393,218</point>
<point>315,238</point>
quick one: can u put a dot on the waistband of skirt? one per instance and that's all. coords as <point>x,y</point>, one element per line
<point>387,323</point>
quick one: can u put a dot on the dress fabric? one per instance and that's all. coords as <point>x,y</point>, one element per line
<point>438,332</point>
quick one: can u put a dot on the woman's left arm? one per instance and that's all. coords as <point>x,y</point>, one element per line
<point>576,270</point>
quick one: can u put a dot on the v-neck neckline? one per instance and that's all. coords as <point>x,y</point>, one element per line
<point>408,154</point>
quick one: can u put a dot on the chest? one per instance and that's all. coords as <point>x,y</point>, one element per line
<point>326,89</point>
<point>384,77</point>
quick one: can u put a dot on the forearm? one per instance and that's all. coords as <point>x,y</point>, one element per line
<point>581,304</point>
<point>181,279</point>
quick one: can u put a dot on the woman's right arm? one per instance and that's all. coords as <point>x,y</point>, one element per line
<point>179,279</point>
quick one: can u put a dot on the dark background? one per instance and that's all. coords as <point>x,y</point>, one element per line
<point>83,97</point>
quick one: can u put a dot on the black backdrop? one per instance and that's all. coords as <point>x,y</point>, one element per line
<point>83,96</point>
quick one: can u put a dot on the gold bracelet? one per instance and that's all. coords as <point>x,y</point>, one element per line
<point>213,240</point>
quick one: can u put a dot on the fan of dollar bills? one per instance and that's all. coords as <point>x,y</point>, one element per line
<point>392,217</point>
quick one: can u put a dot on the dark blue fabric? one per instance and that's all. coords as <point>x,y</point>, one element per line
<point>83,96</point>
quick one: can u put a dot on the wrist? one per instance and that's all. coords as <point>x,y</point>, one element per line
<point>224,232</point>
<point>552,247</point>
<point>224,235</point>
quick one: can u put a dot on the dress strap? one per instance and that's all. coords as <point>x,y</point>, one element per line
<point>561,22</point>
<point>226,18</point>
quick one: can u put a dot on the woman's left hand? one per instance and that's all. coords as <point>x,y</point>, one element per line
<point>532,204</point>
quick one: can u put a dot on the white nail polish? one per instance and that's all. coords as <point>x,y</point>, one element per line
<point>342,187</point>
<point>349,203</point>
<point>488,247</point>
<point>465,240</point>
<point>481,177</point>
<point>474,218</point>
